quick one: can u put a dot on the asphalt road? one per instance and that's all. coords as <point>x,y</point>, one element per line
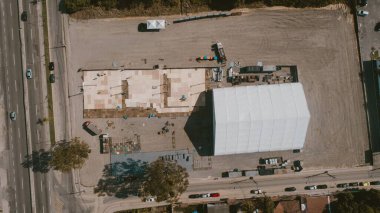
<point>368,37</point>
<point>11,81</point>
<point>36,87</point>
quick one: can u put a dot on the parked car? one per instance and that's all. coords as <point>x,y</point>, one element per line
<point>150,199</point>
<point>51,66</point>
<point>24,16</point>
<point>377,27</point>
<point>313,187</point>
<point>366,183</point>
<point>363,13</point>
<point>342,185</point>
<point>324,186</point>
<point>215,195</point>
<point>256,191</point>
<point>29,73</point>
<point>374,183</point>
<point>353,184</point>
<point>195,196</point>
<point>290,189</point>
<point>12,116</point>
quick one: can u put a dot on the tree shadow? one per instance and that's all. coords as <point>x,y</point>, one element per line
<point>199,126</point>
<point>122,179</point>
<point>39,161</point>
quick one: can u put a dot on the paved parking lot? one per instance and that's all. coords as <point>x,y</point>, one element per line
<point>320,42</point>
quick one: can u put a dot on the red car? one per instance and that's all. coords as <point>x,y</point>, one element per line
<point>215,194</point>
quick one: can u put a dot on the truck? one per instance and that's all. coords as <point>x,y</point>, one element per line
<point>218,47</point>
<point>233,173</point>
<point>91,128</point>
<point>105,143</point>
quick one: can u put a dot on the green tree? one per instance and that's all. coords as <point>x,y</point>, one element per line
<point>72,6</point>
<point>166,180</point>
<point>266,204</point>
<point>248,206</point>
<point>39,161</point>
<point>69,155</point>
<point>107,4</point>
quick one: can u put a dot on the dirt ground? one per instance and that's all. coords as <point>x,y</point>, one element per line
<point>320,42</point>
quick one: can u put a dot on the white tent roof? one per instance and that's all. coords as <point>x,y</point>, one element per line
<point>259,118</point>
<point>155,24</point>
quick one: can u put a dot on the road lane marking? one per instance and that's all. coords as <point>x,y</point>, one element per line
<point>41,188</point>
<point>29,8</point>
<point>15,86</point>
<point>10,8</point>
<point>32,60</point>
<point>17,108</point>
<point>19,135</point>
<point>22,183</point>
<point>14,59</point>
<point>13,163</point>
<point>35,87</point>
<point>20,157</point>
<point>38,136</point>
<point>24,207</point>
<point>36,111</point>
<point>31,35</point>
<point>12,34</point>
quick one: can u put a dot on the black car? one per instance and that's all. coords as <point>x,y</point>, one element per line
<point>52,78</point>
<point>324,186</point>
<point>195,196</point>
<point>51,66</point>
<point>24,16</point>
<point>377,27</point>
<point>363,3</point>
<point>374,183</point>
<point>342,185</point>
<point>290,189</point>
<point>353,184</point>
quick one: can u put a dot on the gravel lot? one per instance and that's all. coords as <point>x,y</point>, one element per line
<point>320,42</point>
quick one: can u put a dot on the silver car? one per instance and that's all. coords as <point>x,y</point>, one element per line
<point>12,116</point>
<point>363,13</point>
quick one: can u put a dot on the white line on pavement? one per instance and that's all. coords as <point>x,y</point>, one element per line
<point>31,35</point>
<point>18,132</point>
<point>36,111</point>
<point>24,207</point>
<point>22,183</point>
<point>41,187</point>
<point>17,108</point>
<point>35,87</point>
<point>12,34</point>
<point>38,136</point>
<point>29,8</point>
<point>14,59</point>
<point>43,209</point>
<point>10,8</point>
<point>7,88</point>
<point>13,163</point>
<point>20,157</point>
<point>15,86</point>
<point>32,59</point>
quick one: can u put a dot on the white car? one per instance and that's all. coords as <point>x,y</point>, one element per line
<point>313,187</point>
<point>206,195</point>
<point>363,13</point>
<point>256,191</point>
<point>150,199</point>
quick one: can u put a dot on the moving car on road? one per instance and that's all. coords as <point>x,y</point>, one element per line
<point>363,13</point>
<point>215,195</point>
<point>51,66</point>
<point>290,189</point>
<point>366,183</point>
<point>313,187</point>
<point>342,185</point>
<point>353,184</point>
<point>374,183</point>
<point>12,116</point>
<point>150,199</point>
<point>24,16</point>
<point>195,196</point>
<point>324,186</point>
<point>377,27</point>
<point>52,78</point>
<point>29,73</point>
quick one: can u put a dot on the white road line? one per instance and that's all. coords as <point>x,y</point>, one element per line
<point>13,163</point>
<point>31,35</point>
<point>43,209</point>
<point>35,87</point>
<point>36,110</point>
<point>22,183</point>
<point>15,86</point>
<point>24,207</point>
<point>14,59</point>
<point>7,88</point>
<point>10,8</point>
<point>38,136</point>
<point>41,188</point>
<point>18,132</point>
<point>32,59</point>
<point>29,7</point>
<point>20,157</point>
<point>17,108</point>
<point>12,34</point>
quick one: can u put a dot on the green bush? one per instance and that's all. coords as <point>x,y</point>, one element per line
<point>72,6</point>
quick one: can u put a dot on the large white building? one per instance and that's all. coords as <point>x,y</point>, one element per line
<point>259,118</point>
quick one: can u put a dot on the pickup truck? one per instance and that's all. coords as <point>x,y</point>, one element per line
<point>218,47</point>
<point>91,128</point>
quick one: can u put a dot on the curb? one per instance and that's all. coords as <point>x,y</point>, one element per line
<point>26,98</point>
